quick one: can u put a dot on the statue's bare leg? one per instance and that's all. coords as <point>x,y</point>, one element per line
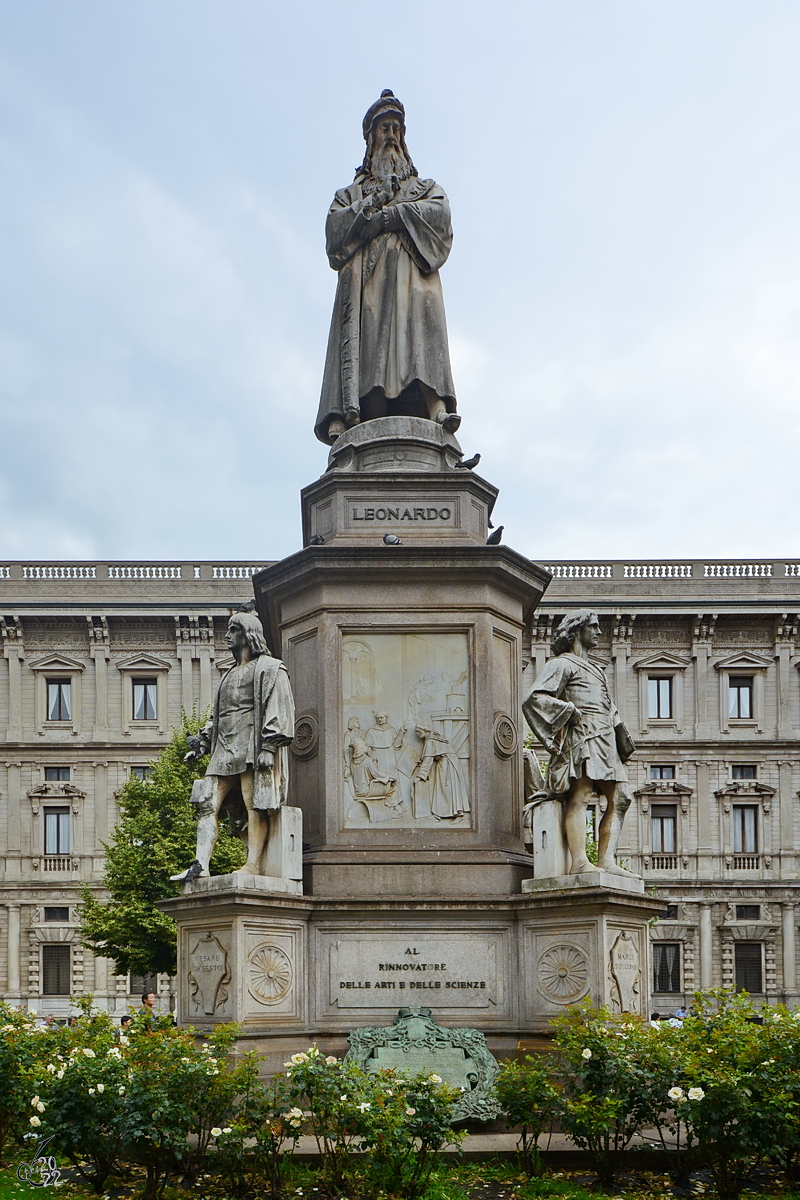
<point>575,805</point>
<point>437,409</point>
<point>208,821</point>
<point>611,826</point>
<point>257,825</point>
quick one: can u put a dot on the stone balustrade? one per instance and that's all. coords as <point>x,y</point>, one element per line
<point>122,572</point>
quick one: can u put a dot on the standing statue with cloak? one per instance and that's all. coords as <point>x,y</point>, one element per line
<point>387,236</point>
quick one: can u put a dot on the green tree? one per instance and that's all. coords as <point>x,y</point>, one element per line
<point>154,839</point>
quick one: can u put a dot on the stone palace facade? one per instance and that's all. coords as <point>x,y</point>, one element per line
<point>99,659</point>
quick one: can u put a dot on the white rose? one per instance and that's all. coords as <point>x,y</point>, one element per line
<point>675,1093</point>
<point>123,1041</point>
<point>695,1093</point>
<point>410,1112</point>
<point>91,1091</point>
<point>297,1059</point>
<point>40,1107</point>
<point>89,1053</point>
<point>34,1101</point>
<point>364,1106</point>
<point>35,1121</point>
<point>216,1131</point>
<point>435,1078</point>
<point>51,1069</point>
<point>227,1129</point>
<point>587,1054</point>
<point>330,1060</point>
<point>121,1090</point>
<point>101,1087</point>
<point>60,1074</point>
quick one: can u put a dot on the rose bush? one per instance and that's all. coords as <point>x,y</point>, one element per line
<point>530,1099</point>
<point>378,1134</point>
<point>614,1071</point>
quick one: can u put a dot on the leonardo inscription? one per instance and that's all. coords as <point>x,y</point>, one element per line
<point>405,717</point>
<point>381,972</point>
<point>403,512</point>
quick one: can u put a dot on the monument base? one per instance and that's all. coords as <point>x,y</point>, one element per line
<point>295,970</point>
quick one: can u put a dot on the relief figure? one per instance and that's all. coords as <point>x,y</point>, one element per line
<point>359,768</point>
<point>448,793</point>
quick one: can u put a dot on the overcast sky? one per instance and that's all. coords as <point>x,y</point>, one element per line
<point>623,294</point>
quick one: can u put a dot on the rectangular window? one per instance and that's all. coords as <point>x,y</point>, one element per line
<point>748,966</point>
<point>140,772</point>
<point>144,699</point>
<point>142,983</point>
<point>56,774</point>
<point>740,697</point>
<point>743,771</point>
<point>748,912</point>
<point>59,700</point>
<point>672,913</point>
<point>56,830</point>
<point>56,914</point>
<point>55,970</point>
<point>666,967</point>
<point>662,772</point>
<point>745,829</point>
<point>663,819</point>
<point>659,697</point>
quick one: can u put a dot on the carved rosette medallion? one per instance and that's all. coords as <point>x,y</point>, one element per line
<point>306,736</point>
<point>563,973</point>
<point>271,973</point>
<point>506,738</point>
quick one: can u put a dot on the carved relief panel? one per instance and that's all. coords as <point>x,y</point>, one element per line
<point>406,730</point>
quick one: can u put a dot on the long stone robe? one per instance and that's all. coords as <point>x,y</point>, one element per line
<point>388,328</point>
<point>567,683</point>
<point>440,765</point>
<point>267,724</point>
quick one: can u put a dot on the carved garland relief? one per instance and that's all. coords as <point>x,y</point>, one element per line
<point>406,730</point>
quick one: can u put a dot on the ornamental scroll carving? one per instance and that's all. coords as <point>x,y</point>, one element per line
<point>209,974</point>
<point>416,1043</point>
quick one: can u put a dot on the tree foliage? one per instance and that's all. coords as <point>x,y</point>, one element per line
<point>154,839</point>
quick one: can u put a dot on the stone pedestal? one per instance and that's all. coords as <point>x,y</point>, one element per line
<point>406,666</point>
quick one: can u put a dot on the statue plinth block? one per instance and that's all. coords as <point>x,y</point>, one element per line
<point>584,941</point>
<point>397,476</point>
<point>586,879</point>
<point>241,953</point>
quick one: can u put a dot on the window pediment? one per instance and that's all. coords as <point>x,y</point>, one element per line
<point>672,931</point>
<point>659,791</point>
<point>56,663</point>
<point>142,662</point>
<point>753,932</point>
<point>743,662</point>
<point>749,788</point>
<point>662,662</point>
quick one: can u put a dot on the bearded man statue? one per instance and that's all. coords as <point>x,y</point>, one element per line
<point>387,236</point>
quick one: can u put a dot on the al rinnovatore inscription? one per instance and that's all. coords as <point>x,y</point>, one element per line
<point>405,715</point>
<point>454,971</point>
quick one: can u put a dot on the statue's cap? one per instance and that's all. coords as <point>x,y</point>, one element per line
<point>388,103</point>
